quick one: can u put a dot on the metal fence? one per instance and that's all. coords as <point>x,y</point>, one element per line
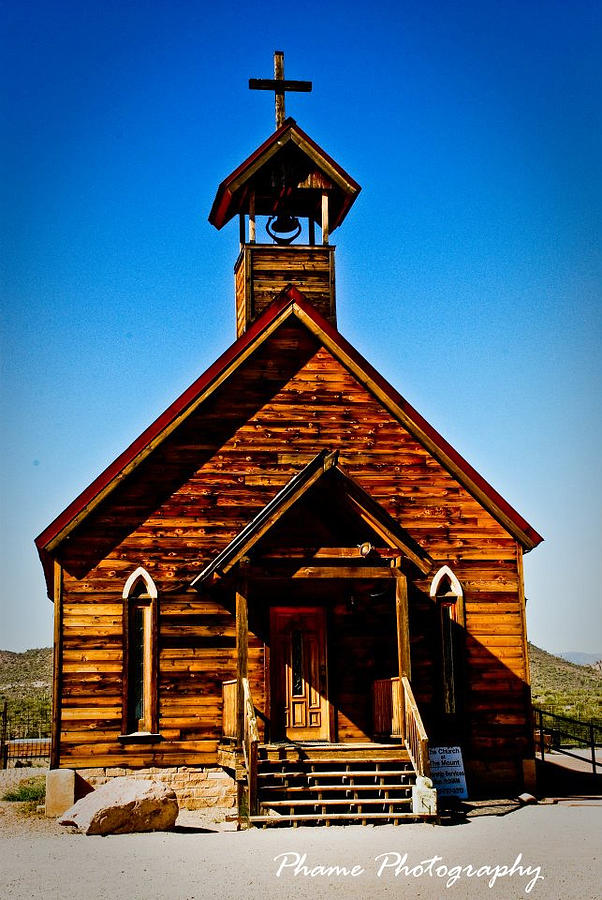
<point>24,734</point>
<point>566,735</point>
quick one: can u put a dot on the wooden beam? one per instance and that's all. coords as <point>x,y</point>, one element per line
<point>343,572</point>
<point>303,553</point>
<point>279,91</point>
<point>523,611</point>
<point>242,651</point>
<point>252,217</point>
<point>403,638</point>
<point>278,85</point>
<point>325,218</point>
<point>57,668</point>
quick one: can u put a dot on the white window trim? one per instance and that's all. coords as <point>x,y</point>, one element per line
<point>455,586</point>
<point>151,589</point>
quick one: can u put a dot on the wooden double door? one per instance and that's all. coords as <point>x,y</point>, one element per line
<point>299,673</point>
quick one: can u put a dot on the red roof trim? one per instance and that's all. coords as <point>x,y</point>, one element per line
<point>413,414</point>
<point>219,211</point>
<point>290,297</point>
<point>165,419</point>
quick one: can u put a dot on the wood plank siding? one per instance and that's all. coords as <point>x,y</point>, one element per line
<point>262,271</point>
<point>196,492</point>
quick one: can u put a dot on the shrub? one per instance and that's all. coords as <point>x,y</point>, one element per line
<point>28,790</point>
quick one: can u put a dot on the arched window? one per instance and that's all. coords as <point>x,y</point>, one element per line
<point>139,654</point>
<point>447,593</point>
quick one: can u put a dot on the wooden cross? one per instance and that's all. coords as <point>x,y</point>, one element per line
<point>279,86</point>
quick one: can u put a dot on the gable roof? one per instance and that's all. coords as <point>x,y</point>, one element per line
<point>323,464</point>
<point>288,304</point>
<point>303,156</point>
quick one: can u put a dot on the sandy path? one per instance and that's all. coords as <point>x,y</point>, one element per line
<point>563,839</point>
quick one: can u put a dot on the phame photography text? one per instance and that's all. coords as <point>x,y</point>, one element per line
<point>394,865</point>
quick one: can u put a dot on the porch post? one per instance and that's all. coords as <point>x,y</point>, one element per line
<point>242,644</point>
<point>403,640</point>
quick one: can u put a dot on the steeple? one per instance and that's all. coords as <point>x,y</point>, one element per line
<point>289,179</point>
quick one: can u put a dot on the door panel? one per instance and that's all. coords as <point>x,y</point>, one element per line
<point>299,686</point>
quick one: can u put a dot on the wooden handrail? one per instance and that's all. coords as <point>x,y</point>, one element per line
<point>250,717</point>
<point>250,742</point>
<point>416,737</point>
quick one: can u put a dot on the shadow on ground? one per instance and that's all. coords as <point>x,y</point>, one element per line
<point>554,779</point>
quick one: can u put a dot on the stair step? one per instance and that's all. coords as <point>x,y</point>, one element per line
<point>356,760</point>
<point>338,787</point>
<point>365,773</point>
<point>336,817</point>
<point>334,755</point>
<point>348,801</point>
<point>340,773</point>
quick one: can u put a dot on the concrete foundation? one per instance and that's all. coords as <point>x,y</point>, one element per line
<point>529,776</point>
<point>60,791</point>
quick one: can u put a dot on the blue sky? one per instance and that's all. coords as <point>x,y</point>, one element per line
<point>469,270</point>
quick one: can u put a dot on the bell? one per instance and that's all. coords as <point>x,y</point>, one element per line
<point>283,228</point>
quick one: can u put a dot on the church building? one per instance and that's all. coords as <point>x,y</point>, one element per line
<point>291,588</point>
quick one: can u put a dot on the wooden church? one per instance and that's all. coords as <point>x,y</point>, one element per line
<point>290,584</point>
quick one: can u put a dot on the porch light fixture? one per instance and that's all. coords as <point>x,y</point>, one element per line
<point>366,548</point>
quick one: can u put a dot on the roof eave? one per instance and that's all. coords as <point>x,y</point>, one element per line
<point>289,302</point>
<point>221,212</point>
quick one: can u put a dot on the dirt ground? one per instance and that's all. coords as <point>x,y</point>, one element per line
<point>497,850</point>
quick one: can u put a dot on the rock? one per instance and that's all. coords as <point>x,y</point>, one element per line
<point>124,805</point>
<point>527,799</point>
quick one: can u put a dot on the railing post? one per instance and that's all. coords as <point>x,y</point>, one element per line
<point>403,643</point>
<point>592,744</point>
<point>242,643</point>
<point>541,740</point>
<point>252,780</point>
<point>3,737</point>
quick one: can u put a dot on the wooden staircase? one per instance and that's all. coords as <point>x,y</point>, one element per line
<point>321,782</point>
<point>333,783</point>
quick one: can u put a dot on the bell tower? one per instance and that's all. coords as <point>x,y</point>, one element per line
<point>289,182</point>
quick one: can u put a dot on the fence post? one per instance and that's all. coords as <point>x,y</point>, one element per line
<point>541,740</point>
<point>592,744</point>
<point>3,736</point>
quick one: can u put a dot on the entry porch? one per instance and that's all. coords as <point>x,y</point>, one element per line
<point>318,581</point>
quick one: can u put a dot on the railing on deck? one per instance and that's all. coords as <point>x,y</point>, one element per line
<point>386,707</point>
<point>416,737</point>
<point>396,715</point>
<point>249,745</point>
<point>573,737</point>
<point>250,732</point>
<point>229,709</point>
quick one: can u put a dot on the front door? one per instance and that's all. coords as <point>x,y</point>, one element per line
<point>299,684</point>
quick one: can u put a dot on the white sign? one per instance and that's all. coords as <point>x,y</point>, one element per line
<point>447,772</point>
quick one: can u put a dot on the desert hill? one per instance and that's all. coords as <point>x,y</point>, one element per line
<point>565,687</point>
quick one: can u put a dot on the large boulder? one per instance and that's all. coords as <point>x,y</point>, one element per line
<point>123,805</point>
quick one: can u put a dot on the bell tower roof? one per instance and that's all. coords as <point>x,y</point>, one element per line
<point>289,169</point>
